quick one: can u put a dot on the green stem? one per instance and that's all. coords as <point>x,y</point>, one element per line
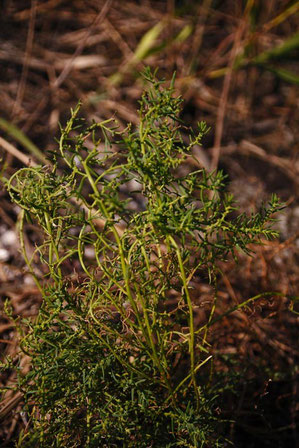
<point>147,333</point>
<point>23,248</point>
<point>119,244</point>
<point>53,250</point>
<point>191,319</point>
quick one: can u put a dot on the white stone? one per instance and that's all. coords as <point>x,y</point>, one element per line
<point>4,255</point>
<point>9,238</point>
<point>89,252</point>
<point>29,280</point>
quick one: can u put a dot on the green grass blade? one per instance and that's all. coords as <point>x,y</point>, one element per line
<point>284,74</point>
<point>147,42</point>
<point>18,135</point>
<point>280,51</point>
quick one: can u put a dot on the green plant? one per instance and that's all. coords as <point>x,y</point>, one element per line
<point>113,363</point>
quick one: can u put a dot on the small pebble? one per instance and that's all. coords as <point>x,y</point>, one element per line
<point>9,238</point>
<point>89,252</point>
<point>134,185</point>
<point>28,280</point>
<point>126,304</point>
<point>4,255</point>
<point>77,161</point>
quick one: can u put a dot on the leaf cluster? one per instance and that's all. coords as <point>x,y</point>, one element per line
<point>111,361</point>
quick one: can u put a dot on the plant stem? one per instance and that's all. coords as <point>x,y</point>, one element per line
<point>191,319</point>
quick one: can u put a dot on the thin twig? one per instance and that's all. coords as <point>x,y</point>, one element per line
<point>16,153</point>
<point>68,67</point>
<point>28,51</point>
<point>224,98</point>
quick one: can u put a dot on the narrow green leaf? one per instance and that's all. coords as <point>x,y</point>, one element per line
<point>147,42</point>
<point>18,135</point>
<point>183,34</point>
<point>284,74</point>
<point>278,52</point>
